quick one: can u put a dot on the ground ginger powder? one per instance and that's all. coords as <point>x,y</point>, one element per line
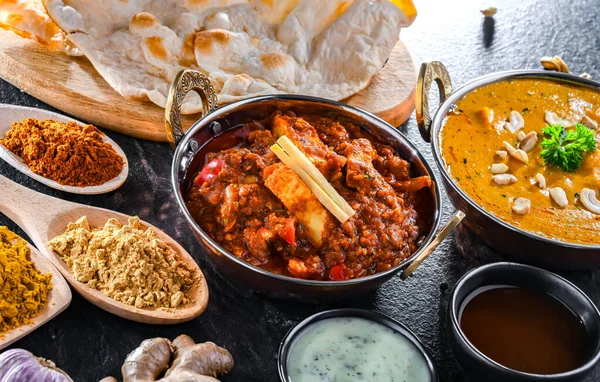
<point>68,153</point>
<point>125,263</point>
<point>23,289</point>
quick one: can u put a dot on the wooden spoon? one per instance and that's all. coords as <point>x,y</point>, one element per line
<point>59,299</point>
<point>10,114</point>
<point>43,218</point>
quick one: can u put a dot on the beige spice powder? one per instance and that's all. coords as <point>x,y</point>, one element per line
<point>125,263</point>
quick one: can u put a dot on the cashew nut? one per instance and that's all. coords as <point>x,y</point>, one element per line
<point>559,196</point>
<point>489,12</point>
<point>509,147</point>
<point>554,63</point>
<point>589,200</point>
<point>589,123</point>
<point>521,135</point>
<point>504,179</point>
<point>499,168</point>
<point>502,154</point>
<point>515,122</point>
<point>553,119</point>
<point>528,143</point>
<point>517,154</point>
<point>541,180</point>
<point>521,155</point>
<point>521,206</point>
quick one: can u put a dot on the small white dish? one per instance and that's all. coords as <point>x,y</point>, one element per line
<point>13,113</point>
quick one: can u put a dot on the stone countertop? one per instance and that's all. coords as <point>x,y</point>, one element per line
<point>90,343</point>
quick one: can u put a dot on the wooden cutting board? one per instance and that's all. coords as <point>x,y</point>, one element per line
<point>71,84</point>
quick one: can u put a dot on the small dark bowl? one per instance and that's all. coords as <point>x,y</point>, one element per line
<point>481,367</point>
<point>296,331</point>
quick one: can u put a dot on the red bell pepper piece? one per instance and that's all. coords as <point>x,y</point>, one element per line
<point>288,233</point>
<point>338,273</point>
<point>209,172</point>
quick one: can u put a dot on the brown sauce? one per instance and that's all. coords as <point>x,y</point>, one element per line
<point>524,330</point>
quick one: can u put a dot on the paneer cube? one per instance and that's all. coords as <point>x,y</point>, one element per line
<point>298,199</point>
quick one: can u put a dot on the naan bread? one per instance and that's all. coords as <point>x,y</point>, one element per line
<point>329,49</point>
<point>28,18</point>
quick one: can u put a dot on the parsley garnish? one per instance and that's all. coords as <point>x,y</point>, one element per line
<point>564,148</point>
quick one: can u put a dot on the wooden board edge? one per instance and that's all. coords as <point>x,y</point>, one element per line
<point>91,114</point>
<point>403,61</point>
<point>398,117</point>
<point>15,73</point>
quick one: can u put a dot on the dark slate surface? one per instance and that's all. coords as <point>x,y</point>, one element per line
<point>90,343</point>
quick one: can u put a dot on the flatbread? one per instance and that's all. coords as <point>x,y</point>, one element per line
<point>28,18</point>
<point>329,49</point>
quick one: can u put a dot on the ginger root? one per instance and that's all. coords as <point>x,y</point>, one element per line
<point>148,361</point>
<point>191,362</point>
<point>205,359</point>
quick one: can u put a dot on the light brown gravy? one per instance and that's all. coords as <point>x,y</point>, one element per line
<point>524,330</point>
<point>473,132</point>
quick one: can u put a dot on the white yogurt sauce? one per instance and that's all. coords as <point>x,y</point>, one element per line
<point>348,349</point>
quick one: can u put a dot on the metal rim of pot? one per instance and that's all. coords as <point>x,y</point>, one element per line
<point>430,128</point>
<point>190,80</point>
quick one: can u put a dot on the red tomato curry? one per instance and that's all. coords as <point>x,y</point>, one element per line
<point>231,203</point>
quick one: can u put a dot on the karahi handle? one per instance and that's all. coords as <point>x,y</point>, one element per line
<point>430,72</point>
<point>184,82</point>
<point>439,237</point>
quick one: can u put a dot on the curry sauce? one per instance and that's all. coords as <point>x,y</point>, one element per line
<point>271,223</point>
<point>474,130</point>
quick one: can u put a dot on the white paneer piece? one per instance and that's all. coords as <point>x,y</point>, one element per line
<point>298,199</point>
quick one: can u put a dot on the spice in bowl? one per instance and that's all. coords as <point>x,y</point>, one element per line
<point>126,263</point>
<point>23,289</point>
<point>68,153</point>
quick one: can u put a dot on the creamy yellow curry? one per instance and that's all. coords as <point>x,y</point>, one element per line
<point>472,141</point>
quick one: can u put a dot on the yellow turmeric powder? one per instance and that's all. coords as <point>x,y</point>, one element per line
<point>23,289</point>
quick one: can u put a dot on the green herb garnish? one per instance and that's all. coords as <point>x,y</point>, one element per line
<point>565,148</point>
